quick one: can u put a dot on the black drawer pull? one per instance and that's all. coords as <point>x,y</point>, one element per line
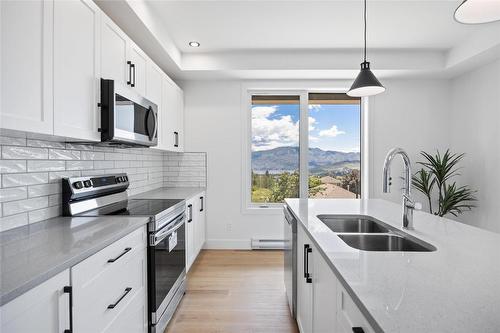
<point>127,290</point>
<point>202,204</point>
<point>69,290</point>
<point>307,275</point>
<point>190,218</point>
<point>121,255</point>
<point>357,330</point>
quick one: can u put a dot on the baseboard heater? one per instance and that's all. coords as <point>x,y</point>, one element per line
<point>268,244</point>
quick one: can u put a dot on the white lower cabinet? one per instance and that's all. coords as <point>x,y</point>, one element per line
<point>323,304</point>
<point>44,308</point>
<point>195,227</point>
<point>109,288</point>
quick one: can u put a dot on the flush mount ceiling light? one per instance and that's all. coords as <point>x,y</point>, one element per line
<point>478,11</point>
<point>194,44</point>
<point>366,84</point>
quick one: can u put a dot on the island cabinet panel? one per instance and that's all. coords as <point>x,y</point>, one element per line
<point>26,66</point>
<point>323,304</point>
<point>44,308</point>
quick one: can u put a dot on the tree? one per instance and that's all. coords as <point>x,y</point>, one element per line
<point>285,186</point>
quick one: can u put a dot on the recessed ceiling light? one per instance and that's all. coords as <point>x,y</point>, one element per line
<point>194,44</point>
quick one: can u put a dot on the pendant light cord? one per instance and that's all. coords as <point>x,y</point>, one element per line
<point>365,34</point>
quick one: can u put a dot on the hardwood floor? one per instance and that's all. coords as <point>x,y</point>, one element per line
<point>234,292</point>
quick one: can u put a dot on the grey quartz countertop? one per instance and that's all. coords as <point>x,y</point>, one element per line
<point>33,254</point>
<point>170,193</point>
<point>453,289</point>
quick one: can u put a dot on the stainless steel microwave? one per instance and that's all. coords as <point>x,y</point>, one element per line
<point>127,117</point>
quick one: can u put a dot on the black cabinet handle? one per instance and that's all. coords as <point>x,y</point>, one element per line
<point>190,208</point>
<point>307,275</point>
<point>133,82</point>
<point>176,139</point>
<point>69,290</point>
<point>201,202</point>
<point>121,255</point>
<point>357,330</point>
<point>112,306</point>
<point>129,81</point>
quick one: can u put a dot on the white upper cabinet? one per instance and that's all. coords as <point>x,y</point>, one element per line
<point>138,61</point>
<point>114,45</point>
<point>26,65</point>
<point>154,78</point>
<point>172,134</point>
<point>76,69</point>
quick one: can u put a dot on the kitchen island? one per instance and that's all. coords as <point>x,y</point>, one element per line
<point>455,288</point>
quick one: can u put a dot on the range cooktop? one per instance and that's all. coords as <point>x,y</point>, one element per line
<point>135,207</point>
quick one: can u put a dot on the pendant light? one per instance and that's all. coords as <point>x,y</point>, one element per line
<point>366,84</point>
<point>478,11</point>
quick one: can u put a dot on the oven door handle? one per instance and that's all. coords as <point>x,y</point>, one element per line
<point>164,233</point>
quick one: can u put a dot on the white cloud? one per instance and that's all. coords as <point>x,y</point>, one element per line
<point>314,107</point>
<point>271,133</point>
<point>312,121</point>
<point>332,132</point>
<point>313,138</point>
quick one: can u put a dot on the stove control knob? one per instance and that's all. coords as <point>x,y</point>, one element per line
<point>87,183</point>
<point>78,185</point>
<point>118,179</point>
<point>125,178</point>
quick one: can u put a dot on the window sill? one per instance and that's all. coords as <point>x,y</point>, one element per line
<point>276,209</point>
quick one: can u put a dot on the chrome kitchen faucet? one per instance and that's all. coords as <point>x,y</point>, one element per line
<point>408,204</point>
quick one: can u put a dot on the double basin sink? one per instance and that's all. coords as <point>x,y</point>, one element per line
<point>368,234</point>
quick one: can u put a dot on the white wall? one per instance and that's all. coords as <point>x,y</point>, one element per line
<point>474,129</point>
<point>410,114</point>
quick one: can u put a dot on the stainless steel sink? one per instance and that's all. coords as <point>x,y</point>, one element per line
<point>352,224</point>
<point>388,242</point>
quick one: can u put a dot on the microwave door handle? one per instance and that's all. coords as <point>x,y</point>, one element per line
<point>151,132</point>
<point>155,124</point>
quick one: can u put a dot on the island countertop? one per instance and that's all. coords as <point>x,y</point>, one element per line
<point>453,289</point>
<point>32,254</point>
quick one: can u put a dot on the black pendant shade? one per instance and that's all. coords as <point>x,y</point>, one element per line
<point>366,84</point>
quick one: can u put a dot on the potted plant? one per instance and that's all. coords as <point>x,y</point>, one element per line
<point>436,175</point>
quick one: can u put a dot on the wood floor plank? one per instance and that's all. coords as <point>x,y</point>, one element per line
<point>234,292</point>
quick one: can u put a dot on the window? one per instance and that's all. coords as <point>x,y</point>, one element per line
<point>319,131</point>
<point>334,160</point>
<point>275,148</point>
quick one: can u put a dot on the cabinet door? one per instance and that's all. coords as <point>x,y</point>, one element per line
<point>324,297</point>
<point>44,308</point>
<point>139,61</point>
<point>26,66</point>
<point>114,52</point>
<point>76,69</point>
<point>348,314</point>
<point>179,118</point>
<point>200,223</point>
<point>304,286</point>
<point>154,78</point>
<point>169,126</point>
<point>190,232</point>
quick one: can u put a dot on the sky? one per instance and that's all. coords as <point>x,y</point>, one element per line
<point>331,127</point>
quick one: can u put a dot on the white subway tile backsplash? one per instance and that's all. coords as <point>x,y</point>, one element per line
<point>79,165</point>
<point>14,221</point>
<point>12,141</point>
<point>13,193</point>
<point>31,172</point>
<point>11,166</point>
<point>43,165</point>
<point>64,154</point>
<point>20,206</point>
<point>43,190</point>
<point>21,152</point>
<point>21,179</point>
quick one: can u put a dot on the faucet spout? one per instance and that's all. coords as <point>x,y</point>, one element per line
<point>408,204</point>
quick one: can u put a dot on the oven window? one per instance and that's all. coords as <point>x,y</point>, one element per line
<point>130,117</point>
<point>168,266</point>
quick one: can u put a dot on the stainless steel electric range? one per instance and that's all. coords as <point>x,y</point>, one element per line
<point>106,195</point>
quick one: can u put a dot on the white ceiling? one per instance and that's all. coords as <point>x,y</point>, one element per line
<point>235,25</point>
<point>300,39</point>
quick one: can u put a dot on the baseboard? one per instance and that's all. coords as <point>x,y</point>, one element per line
<point>227,244</point>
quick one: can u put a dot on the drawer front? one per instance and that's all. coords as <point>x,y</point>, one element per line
<point>348,314</point>
<point>93,267</point>
<point>98,300</point>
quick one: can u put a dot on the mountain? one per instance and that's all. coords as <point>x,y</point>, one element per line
<point>320,161</point>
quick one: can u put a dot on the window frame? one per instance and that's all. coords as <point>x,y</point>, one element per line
<point>247,206</point>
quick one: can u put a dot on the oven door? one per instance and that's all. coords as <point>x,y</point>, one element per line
<point>127,117</point>
<point>167,265</point>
